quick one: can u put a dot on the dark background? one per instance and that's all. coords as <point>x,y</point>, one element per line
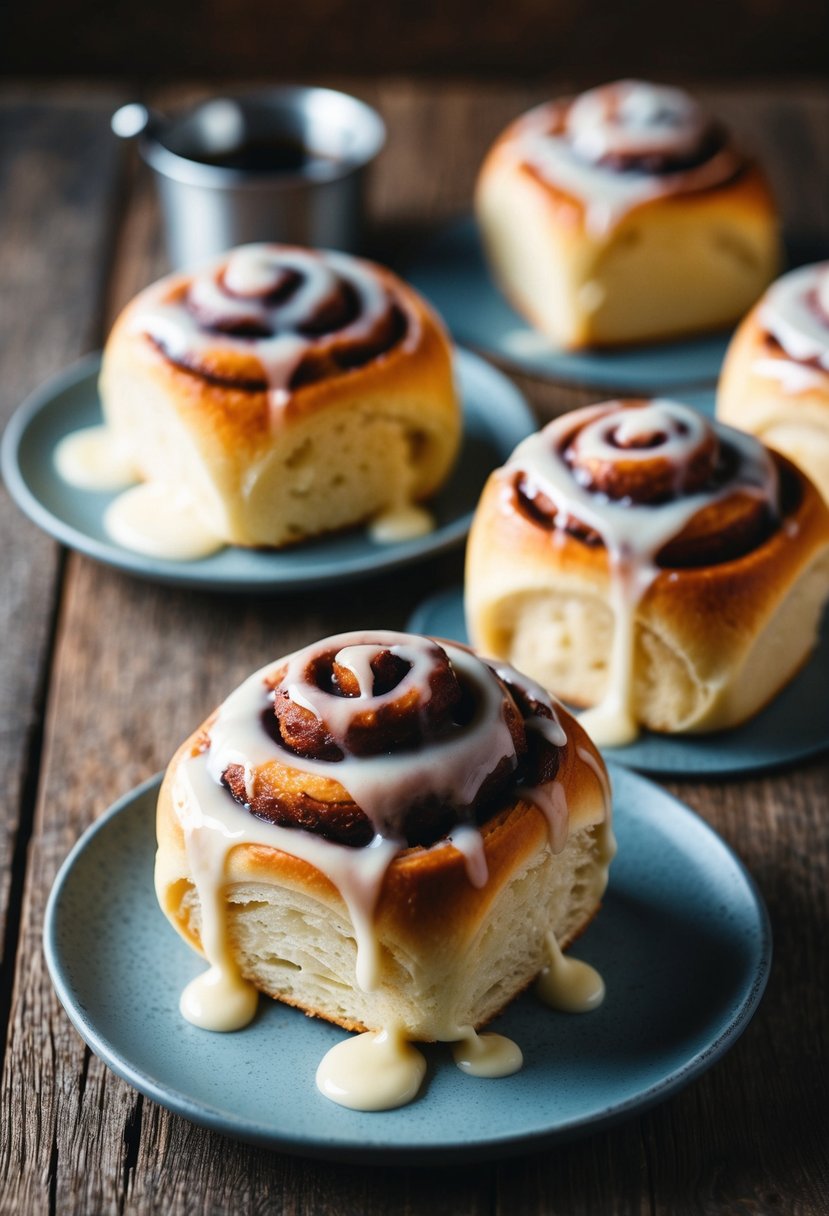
<point>578,40</point>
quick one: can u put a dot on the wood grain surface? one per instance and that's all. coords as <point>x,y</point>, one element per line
<point>102,675</point>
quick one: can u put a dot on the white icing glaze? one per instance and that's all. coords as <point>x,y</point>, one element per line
<point>551,801</point>
<point>633,118</point>
<point>550,798</point>
<point>487,1055</point>
<point>214,823</point>
<point>792,376</point>
<point>568,984</point>
<point>795,311</point>
<point>219,999</point>
<point>238,290</point>
<point>633,533</point>
<point>160,520</point>
<point>470,844</point>
<point>93,459</point>
<point>628,117</point>
<point>401,523</point>
<point>372,1071</point>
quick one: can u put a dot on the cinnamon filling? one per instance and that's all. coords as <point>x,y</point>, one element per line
<point>278,318</point>
<point>658,164</point>
<point>733,524</point>
<point>368,702</point>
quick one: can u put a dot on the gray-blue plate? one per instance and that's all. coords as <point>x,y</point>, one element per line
<point>794,727</point>
<point>683,942</point>
<point>496,417</point>
<point>451,271</point>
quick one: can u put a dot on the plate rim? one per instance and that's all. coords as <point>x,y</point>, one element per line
<point>186,574</point>
<point>417,621</point>
<point>359,1151</point>
<point>459,227</point>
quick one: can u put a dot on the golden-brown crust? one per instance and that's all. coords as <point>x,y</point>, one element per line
<point>794,420</point>
<point>275,466</point>
<point>426,899</point>
<point>706,619</point>
<point>242,415</point>
<point>750,581</point>
<point>690,260</point>
<point>747,190</point>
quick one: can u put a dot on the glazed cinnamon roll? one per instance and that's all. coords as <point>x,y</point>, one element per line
<point>384,831</point>
<point>625,214</point>
<point>640,559</point>
<point>775,380</point>
<point>284,392</point>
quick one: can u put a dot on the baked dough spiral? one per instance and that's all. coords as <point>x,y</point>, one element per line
<point>354,699</point>
<point>621,144</point>
<point>275,318</point>
<point>287,392</point>
<point>625,214</point>
<point>380,798</point>
<point>775,379</point>
<point>635,555</point>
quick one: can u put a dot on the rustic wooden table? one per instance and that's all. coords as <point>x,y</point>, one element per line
<point>100,675</point>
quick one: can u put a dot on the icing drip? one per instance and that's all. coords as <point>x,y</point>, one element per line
<point>795,312</point>
<point>93,459</point>
<point>599,147</point>
<point>486,1055</point>
<point>469,842</point>
<point>372,1071</point>
<point>140,520</point>
<point>277,305</point>
<point>582,463</point>
<point>568,984</point>
<point>382,785</point>
<point>401,524</point>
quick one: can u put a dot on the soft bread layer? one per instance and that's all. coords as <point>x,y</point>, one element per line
<point>343,450</point>
<point>712,645</point>
<point>788,411</point>
<point>298,949</point>
<point>673,265</point>
<point>451,954</point>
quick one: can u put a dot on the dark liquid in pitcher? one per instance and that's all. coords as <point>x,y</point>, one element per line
<point>273,155</point>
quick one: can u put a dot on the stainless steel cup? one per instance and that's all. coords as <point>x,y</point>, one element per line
<point>209,206</point>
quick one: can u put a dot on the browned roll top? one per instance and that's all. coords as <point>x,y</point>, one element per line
<point>333,313</point>
<point>633,127</point>
<point>409,700</point>
<point>668,459</point>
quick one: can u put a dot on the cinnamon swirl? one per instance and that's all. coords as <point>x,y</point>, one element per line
<point>625,214</point>
<point>384,831</point>
<point>282,393</point>
<point>641,559</point>
<point>775,380</point>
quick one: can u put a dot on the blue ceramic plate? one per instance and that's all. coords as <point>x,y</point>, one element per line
<point>683,942</point>
<point>794,727</point>
<point>451,272</point>
<point>496,417</point>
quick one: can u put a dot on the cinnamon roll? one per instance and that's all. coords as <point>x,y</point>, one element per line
<point>384,831</point>
<point>283,393</point>
<point>625,214</point>
<point>775,379</point>
<point>641,559</point>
